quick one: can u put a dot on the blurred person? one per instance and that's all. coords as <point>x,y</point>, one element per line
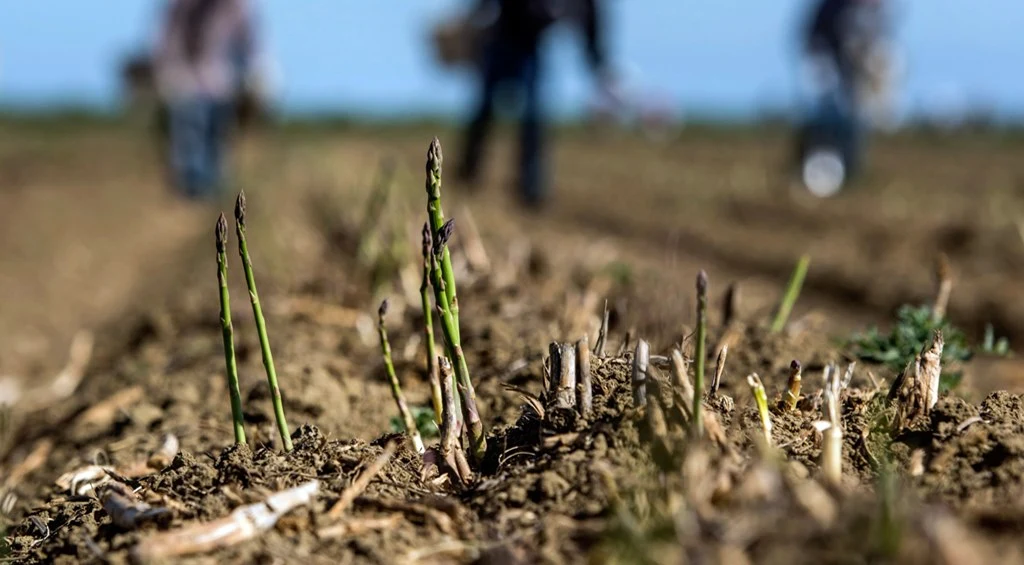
<point>205,53</point>
<point>510,45</point>
<point>843,43</point>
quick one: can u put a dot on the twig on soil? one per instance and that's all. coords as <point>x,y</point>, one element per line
<point>719,370</point>
<point>791,294</point>
<point>242,524</point>
<point>362,481</point>
<point>792,394</point>
<point>227,330</point>
<point>428,327</point>
<point>261,324</point>
<point>103,413</point>
<point>761,399</point>
<point>127,511</point>
<point>602,334</point>
<point>640,362</point>
<point>700,354</point>
<point>681,382</point>
<point>359,526</point>
<point>944,284</point>
<point>396,387</point>
<point>584,385</point>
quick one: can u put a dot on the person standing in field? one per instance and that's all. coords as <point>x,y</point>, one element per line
<point>842,41</point>
<point>511,56</point>
<point>204,52</point>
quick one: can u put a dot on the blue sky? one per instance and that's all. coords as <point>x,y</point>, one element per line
<point>730,56</point>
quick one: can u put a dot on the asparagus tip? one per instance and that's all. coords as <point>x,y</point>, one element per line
<point>702,282</point>
<point>221,232</point>
<point>383,310</point>
<point>240,207</point>
<point>426,239</point>
<point>443,235</point>
<point>795,365</point>
<point>434,155</point>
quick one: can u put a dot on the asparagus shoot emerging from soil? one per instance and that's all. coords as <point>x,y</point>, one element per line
<point>832,432</point>
<point>700,353</point>
<point>792,394</point>
<point>796,282</point>
<point>584,384</point>
<point>453,345</point>
<point>945,286</point>
<point>261,324</point>
<point>719,369</point>
<point>602,334</point>
<point>436,215</point>
<point>396,387</point>
<point>641,359</point>
<point>761,399</point>
<point>228,331</point>
<point>428,327</point>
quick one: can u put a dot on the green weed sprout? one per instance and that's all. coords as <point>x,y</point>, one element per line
<point>228,331</point>
<point>700,353</point>
<point>433,373</point>
<point>796,282</point>
<point>761,399</point>
<point>912,332</point>
<point>396,387</point>
<point>261,324</point>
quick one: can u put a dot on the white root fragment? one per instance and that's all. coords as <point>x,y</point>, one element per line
<point>85,480</point>
<point>244,523</point>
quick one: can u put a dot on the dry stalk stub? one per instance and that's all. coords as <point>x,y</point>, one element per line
<point>944,283</point>
<point>584,384</point>
<point>700,354</point>
<point>641,360</point>
<point>792,394</point>
<point>831,429</point>
<point>565,385</point>
<point>719,369</point>
<point>916,390</point>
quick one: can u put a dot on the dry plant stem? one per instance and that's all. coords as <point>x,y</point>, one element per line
<point>396,387</point>
<point>428,327</point>
<point>792,394</point>
<point>641,359</point>
<point>261,325</point>
<point>602,334</point>
<point>719,369</point>
<point>126,510</point>
<point>584,384</point>
<point>244,523</point>
<point>761,399</point>
<point>359,485</point>
<point>228,331</point>
<point>681,381</point>
<point>700,354</point>
<point>451,452</point>
<point>945,287</point>
<point>565,395</point>
<point>436,216</point>
<point>730,304</point>
<point>832,432</point>
<point>796,282</point>
<point>470,413</point>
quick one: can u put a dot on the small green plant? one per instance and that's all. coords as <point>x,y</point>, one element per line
<point>992,346</point>
<point>425,422</point>
<point>913,330</point>
<point>228,331</point>
<point>261,324</point>
<point>796,283</point>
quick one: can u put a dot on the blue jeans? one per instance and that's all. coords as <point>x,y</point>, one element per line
<point>834,121</point>
<point>198,137</point>
<point>508,62</point>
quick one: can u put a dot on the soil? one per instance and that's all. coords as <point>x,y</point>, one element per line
<point>135,267</point>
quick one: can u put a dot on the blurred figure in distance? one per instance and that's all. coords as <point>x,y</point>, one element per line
<point>843,42</point>
<point>510,55</point>
<point>205,52</point>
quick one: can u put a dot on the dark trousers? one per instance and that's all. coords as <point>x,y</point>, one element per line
<point>198,129</point>
<point>507,63</point>
<point>834,120</point>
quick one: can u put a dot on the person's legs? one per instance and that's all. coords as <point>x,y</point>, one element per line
<point>186,125</point>
<point>532,176</point>
<point>217,132</point>
<point>476,132</point>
